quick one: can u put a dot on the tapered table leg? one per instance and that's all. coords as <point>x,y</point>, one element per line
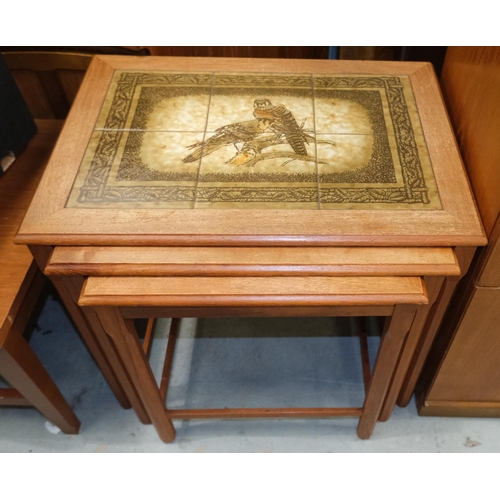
<point>20,366</point>
<point>129,348</point>
<point>433,285</point>
<point>99,345</point>
<point>387,358</point>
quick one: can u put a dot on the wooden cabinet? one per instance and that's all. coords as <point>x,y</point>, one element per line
<point>462,375</point>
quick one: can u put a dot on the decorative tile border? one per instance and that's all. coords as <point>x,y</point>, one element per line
<point>330,187</point>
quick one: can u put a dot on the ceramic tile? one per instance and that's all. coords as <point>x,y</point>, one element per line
<point>267,158</point>
<point>374,172</point>
<point>270,199</point>
<point>127,168</point>
<point>293,109</point>
<point>262,173</point>
<point>340,113</point>
<point>341,155</point>
<point>356,104</point>
<point>262,80</point>
<point>256,141</point>
<point>156,101</point>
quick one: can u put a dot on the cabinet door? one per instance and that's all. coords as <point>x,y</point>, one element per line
<point>470,370</point>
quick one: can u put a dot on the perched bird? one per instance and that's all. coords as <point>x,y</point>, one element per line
<point>236,133</point>
<point>281,121</point>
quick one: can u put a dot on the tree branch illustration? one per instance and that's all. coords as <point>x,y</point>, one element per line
<point>259,144</point>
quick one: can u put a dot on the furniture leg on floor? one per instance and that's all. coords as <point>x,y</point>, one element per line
<point>116,300</point>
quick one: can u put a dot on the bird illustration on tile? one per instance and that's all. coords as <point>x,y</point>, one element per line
<point>249,139</point>
<point>237,134</point>
<point>281,122</point>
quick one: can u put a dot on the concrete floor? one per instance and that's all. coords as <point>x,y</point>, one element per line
<point>232,362</point>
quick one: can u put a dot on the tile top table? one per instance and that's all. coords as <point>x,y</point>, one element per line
<point>279,157</point>
<point>189,151</point>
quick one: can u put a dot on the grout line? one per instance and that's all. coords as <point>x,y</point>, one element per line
<point>315,143</point>
<point>203,140</point>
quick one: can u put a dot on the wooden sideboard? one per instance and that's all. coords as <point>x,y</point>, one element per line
<point>461,377</point>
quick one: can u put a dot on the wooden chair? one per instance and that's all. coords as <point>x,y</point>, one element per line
<point>21,284</point>
<point>48,82</point>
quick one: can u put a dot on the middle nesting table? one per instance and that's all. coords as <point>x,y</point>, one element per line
<point>177,282</point>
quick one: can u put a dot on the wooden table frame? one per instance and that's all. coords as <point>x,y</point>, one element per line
<point>51,224</point>
<point>50,221</point>
<point>345,296</point>
<point>71,264</point>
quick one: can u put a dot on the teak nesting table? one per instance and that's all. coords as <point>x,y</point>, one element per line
<point>189,187</point>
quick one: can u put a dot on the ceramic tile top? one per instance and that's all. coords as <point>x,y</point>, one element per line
<point>257,141</point>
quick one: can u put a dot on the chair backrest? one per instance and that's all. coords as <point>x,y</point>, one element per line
<point>48,81</point>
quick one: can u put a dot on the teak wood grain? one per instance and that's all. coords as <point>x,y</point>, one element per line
<point>123,333</point>
<point>50,222</point>
<point>387,358</point>
<point>433,286</point>
<point>461,373</point>
<point>252,261</point>
<point>263,291</point>
<point>130,350</point>
<point>255,311</point>
<point>469,370</point>
<point>432,324</point>
<point>487,268</point>
<point>48,81</point>
<point>21,284</point>
<point>17,187</point>
<point>470,83</point>
<point>41,255</point>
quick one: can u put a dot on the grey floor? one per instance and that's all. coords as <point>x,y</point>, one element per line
<point>238,363</point>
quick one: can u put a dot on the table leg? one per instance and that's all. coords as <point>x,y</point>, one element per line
<point>99,346</point>
<point>74,285</point>
<point>387,358</point>
<point>433,285</point>
<point>430,330</point>
<point>20,366</point>
<point>130,350</point>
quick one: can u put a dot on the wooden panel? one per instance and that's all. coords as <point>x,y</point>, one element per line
<point>264,413</point>
<point>17,186</point>
<point>34,94</point>
<point>460,409</point>
<point>12,397</point>
<point>47,61</point>
<point>48,81</point>
<point>213,261</point>
<point>279,52</point>
<point>487,269</point>
<point>461,374</point>
<point>255,312</point>
<point>49,222</point>
<point>265,291</point>
<point>469,370</point>
<point>470,81</point>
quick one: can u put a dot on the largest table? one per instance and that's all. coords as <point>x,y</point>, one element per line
<point>306,156</point>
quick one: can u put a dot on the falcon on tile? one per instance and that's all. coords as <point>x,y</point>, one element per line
<point>281,122</point>
<point>237,134</point>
